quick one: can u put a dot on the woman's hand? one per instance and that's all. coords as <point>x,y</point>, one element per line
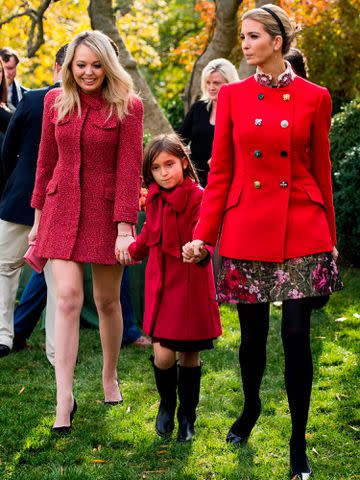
<point>335,254</point>
<point>121,249</point>
<point>194,252</point>
<point>33,234</point>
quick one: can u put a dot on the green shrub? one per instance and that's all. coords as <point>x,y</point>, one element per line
<point>347,205</point>
<point>344,133</point>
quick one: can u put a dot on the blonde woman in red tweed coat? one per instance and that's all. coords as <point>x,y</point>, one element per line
<point>86,199</point>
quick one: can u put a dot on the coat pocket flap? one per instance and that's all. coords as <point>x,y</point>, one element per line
<point>314,194</point>
<point>234,196</point>
<point>51,187</point>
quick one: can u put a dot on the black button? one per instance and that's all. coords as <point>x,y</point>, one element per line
<point>261,96</point>
<point>257,154</point>
<point>284,153</point>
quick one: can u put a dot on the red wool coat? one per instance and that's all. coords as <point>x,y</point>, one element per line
<point>270,176</point>
<point>87,179</point>
<point>179,297</point>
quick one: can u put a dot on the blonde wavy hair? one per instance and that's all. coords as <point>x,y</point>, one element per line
<point>117,88</point>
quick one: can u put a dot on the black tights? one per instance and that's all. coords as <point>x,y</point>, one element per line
<point>295,332</point>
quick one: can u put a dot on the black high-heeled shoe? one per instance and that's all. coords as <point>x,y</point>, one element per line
<point>236,439</point>
<point>240,430</point>
<point>295,474</point>
<point>66,428</point>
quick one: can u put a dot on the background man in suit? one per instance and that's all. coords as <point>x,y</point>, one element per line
<point>19,154</point>
<point>11,60</point>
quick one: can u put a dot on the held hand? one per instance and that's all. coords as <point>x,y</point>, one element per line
<point>335,254</point>
<point>194,252</point>
<point>121,249</point>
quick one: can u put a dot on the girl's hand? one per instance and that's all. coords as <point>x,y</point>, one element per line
<point>335,254</point>
<point>193,252</point>
<point>121,249</point>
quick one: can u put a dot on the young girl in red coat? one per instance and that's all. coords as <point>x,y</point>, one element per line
<point>181,314</point>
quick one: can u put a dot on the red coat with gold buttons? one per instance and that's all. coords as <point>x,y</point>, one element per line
<point>270,177</point>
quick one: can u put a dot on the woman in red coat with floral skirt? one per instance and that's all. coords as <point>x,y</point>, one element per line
<point>86,199</point>
<point>270,188</point>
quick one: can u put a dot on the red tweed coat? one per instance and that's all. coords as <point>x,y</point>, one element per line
<point>179,297</point>
<point>87,179</point>
<point>270,176</point>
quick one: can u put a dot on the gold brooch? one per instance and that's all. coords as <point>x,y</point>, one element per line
<point>286,97</point>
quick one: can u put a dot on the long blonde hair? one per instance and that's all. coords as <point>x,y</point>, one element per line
<point>117,88</point>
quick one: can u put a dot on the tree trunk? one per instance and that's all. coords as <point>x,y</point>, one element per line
<point>102,18</point>
<point>220,45</point>
<point>244,69</point>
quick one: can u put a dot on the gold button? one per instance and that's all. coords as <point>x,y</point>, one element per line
<point>257,184</point>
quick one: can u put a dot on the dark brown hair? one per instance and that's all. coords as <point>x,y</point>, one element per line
<point>6,53</point>
<point>172,144</point>
<point>4,89</point>
<point>298,62</point>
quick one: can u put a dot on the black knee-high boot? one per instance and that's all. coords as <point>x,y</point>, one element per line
<point>166,383</point>
<point>254,322</point>
<point>298,378</point>
<point>189,392</point>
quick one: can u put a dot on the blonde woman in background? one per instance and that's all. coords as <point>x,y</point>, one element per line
<point>86,199</point>
<point>198,127</point>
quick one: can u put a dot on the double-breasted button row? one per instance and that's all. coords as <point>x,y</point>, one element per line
<point>259,121</point>
<point>258,153</point>
<point>283,184</point>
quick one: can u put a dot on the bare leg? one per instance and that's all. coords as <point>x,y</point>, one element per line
<point>106,284</point>
<point>189,359</point>
<point>68,278</point>
<point>164,357</point>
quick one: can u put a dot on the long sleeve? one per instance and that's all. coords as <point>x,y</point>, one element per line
<point>221,172</point>
<point>48,154</point>
<point>10,144</point>
<point>129,163</point>
<point>320,157</point>
<point>185,129</point>
<point>139,249</point>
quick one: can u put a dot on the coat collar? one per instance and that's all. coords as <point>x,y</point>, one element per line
<point>93,100</point>
<point>162,223</point>
<point>177,197</point>
<point>284,79</point>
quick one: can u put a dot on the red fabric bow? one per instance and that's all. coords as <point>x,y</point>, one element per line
<point>162,209</point>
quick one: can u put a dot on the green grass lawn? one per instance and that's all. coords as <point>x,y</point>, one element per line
<point>120,442</point>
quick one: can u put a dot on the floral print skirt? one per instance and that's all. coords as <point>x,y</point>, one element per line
<point>245,281</point>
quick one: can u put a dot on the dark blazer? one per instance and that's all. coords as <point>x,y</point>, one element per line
<point>19,157</point>
<point>14,99</point>
<point>4,122</point>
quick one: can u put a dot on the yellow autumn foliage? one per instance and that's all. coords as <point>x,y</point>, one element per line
<point>63,20</point>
